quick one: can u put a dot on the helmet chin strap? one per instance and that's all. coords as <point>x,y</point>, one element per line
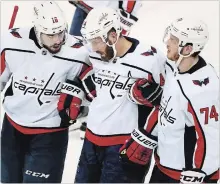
<point>182,56</point>
<point>114,49</point>
<point>115,53</point>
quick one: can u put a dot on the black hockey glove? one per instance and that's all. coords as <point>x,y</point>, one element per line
<point>88,84</point>
<point>69,105</point>
<point>146,93</point>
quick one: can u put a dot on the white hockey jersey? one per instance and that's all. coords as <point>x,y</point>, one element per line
<point>129,6</point>
<point>112,117</point>
<point>31,98</point>
<point>188,124</point>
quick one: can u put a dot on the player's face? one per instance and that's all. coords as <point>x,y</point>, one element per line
<point>172,48</point>
<point>53,43</point>
<point>102,48</point>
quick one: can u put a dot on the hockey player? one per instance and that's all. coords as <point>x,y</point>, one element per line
<point>117,61</point>
<point>127,11</point>
<point>188,119</point>
<point>34,138</point>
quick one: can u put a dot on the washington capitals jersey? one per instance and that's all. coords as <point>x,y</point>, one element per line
<point>36,77</point>
<point>112,117</point>
<point>188,124</point>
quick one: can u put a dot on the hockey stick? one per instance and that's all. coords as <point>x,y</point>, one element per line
<point>13,17</point>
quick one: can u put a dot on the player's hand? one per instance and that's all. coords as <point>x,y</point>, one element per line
<point>69,105</point>
<point>147,93</point>
<point>192,176</point>
<point>139,148</point>
<point>127,21</point>
<point>88,84</point>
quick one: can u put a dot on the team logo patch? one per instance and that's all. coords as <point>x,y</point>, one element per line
<point>150,52</point>
<point>15,33</point>
<point>200,82</point>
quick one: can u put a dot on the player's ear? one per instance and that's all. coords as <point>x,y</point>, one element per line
<point>112,36</point>
<point>187,49</point>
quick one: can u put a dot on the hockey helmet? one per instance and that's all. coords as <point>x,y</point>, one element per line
<point>99,22</point>
<point>188,31</point>
<point>49,19</point>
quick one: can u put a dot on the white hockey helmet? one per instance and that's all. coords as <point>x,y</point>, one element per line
<point>188,30</point>
<point>99,22</point>
<point>49,19</point>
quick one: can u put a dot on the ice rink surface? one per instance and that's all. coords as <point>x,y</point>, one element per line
<point>154,16</point>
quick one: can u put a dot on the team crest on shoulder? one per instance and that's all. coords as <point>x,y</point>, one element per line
<point>15,33</point>
<point>201,82</point>
<point>150,52</point>
<point>77,45</point>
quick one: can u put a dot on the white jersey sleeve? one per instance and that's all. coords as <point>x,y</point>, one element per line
<point>131,7</point>
<point>83,55</point>
<point>5,70</point>
<point>150,63</point>
<point>158,70</point>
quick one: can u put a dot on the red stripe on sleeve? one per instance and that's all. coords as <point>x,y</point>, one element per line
<point>200,149</point>
<point>3,62</point>
<point>83,74</point>
<point>85,5</point>
<point>152,120</point>
<point>130,6</point>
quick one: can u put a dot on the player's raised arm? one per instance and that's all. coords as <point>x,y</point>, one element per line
<point>128,14</point>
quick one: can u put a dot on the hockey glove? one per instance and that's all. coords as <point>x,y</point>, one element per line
<point>69,105</point>
<point>192,176</point>
<point>127,21</point>
<point>143,92</point>
<point>139,148</point>
<point>88,84</point>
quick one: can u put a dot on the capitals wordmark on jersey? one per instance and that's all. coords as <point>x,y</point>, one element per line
<point>113,81</point>
<point>34,87</point>
<point>166,112</point>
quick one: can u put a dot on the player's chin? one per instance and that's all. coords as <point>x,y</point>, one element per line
<point>170,56</point>
<point>105,58</point>
<point>55,50</point>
